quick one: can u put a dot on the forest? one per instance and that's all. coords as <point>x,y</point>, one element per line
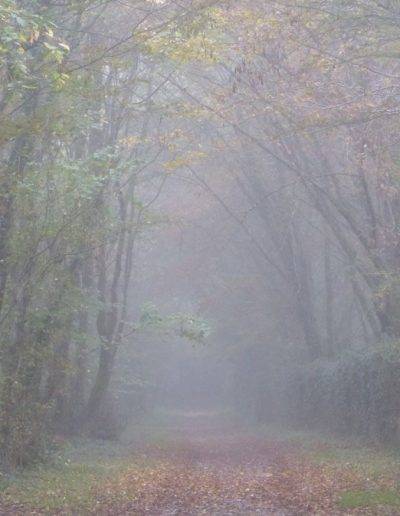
<point>199,257</point>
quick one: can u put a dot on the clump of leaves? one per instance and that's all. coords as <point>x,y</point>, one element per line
<point>188,326</point>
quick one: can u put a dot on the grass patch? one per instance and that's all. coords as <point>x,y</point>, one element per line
<point>53,488</point>
<point>69,483</point>
<point>369,460</point>
<point>359,499</point>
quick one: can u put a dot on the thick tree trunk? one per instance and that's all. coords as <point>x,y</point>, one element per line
<point>101,384</point>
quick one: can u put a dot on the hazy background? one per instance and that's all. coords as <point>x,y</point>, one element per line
<point>199,210</point>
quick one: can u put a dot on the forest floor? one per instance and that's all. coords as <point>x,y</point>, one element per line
<point>202,465</point>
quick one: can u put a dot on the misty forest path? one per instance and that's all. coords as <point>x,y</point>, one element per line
<point>204,467</point>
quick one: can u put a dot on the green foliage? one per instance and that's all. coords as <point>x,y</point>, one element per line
<point>355,395</point>
<point>27,37</point>
<point>198,39</point>
<point>150,317</point>
<point>190,327</point>
<point>187,326</point>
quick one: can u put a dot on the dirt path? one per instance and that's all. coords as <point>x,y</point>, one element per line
<point>202,465</point>
<point>205,468</point>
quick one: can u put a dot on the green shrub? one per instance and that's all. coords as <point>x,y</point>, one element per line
<point>358,394</point>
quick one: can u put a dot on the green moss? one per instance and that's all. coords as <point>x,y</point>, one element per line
<point>355,499</point>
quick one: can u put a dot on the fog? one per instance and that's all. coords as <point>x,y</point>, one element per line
<point>199,243</point>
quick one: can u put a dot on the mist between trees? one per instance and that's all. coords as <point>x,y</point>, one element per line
<point>199,204</point>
